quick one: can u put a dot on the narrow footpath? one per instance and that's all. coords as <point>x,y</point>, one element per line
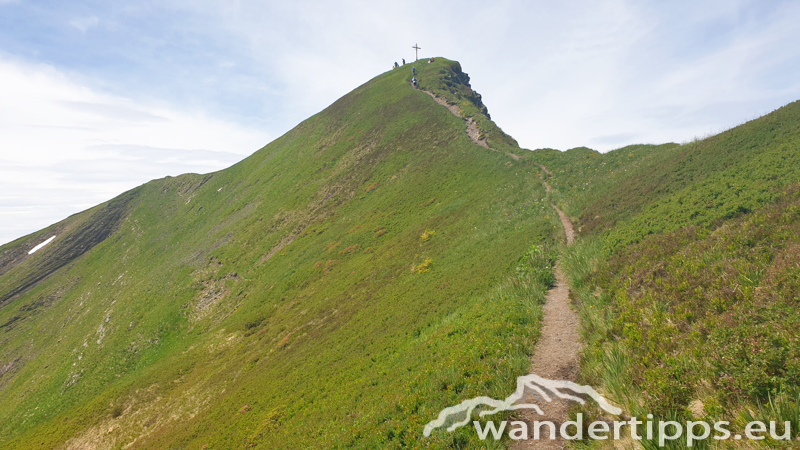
<point>472,128</point>
<point>555,355</point>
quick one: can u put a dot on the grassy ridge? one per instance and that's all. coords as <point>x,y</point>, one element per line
<point>685,275</point>
<point>335,289</point>
<point>446,80</point>
<point>644,189</point>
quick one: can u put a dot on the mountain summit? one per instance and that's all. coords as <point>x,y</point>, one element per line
<point>347,284</point>
<point>334,289</point>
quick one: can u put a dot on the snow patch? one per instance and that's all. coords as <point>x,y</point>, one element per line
<point>33,250</point>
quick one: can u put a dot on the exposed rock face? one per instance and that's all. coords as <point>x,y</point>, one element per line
<point>458,82</point>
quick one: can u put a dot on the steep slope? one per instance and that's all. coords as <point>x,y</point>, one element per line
<point>686,272</point>
<point>335,289</point>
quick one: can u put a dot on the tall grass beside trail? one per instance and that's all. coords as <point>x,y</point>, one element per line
<point>535,268</point>
<point>581,259</point>
<point>606,367</point>
<point>784,407</point>
<point>516,301</point>
<point>696,326</point>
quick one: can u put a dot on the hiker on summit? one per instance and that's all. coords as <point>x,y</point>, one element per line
<point>395,66</point>
<point>430,60</point>
<point>404,61</point>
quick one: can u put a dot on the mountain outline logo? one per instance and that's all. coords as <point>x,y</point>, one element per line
<point>534,382</point>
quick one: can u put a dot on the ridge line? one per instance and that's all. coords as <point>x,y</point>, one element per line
<point>472,127</point>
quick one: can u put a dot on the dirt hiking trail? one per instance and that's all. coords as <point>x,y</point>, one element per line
<point>555,355</point>
<point>472,128</point>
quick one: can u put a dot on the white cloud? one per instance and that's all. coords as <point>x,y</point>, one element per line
<point>556,75</point>
<point>65,146</point>
<point>553,74</point>
<point>84,23</point>
<point>641,73</point>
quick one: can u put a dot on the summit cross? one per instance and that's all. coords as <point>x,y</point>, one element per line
<point>416,48</point>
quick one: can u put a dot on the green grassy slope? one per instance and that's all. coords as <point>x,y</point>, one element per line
<point>645,189</point>
<point>335,289</point>
<point>686,273</point>
<point>445,79</point>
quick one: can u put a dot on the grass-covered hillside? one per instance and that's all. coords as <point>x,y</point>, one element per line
<point>336,289</point>
<point>646,189</point>
<point>686,273</point>
<point>342,285</point>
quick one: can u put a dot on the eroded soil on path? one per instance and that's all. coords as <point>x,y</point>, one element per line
<point>472,128</point>
<point>556,355</point>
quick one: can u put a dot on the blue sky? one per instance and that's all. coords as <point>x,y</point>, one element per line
<point>97,97</point>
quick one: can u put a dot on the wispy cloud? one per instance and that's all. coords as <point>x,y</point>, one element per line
<point>553,75</point>
<point>113,111</point>
<point>91,91</point>
<point>60,137</point>
<point>84,23</point>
